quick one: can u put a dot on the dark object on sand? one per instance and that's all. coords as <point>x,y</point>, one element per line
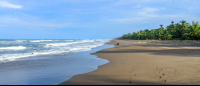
<point>117,43</point>
<point>164,80</point>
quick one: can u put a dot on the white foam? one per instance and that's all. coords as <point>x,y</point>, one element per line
<point>45,40</point>
<point>4,42</point>
<point>82,41</point>
<point>103,40</point>
<point>57,49</point>
<point>69,40</point>
<point>15,41</point>
<point>59,44</point>
<point>40,40</point>
<point>13,48</point>
<point>34,41</point>
<point>64,44</point>
<point>63,40</point>
<point>20,40</point>
<point>12,57</point>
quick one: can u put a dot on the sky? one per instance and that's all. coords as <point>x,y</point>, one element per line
<point>90,19</point>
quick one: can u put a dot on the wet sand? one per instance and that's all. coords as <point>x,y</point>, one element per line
<point>135,62</point>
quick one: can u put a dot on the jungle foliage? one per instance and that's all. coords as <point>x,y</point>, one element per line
<point>178,31</point>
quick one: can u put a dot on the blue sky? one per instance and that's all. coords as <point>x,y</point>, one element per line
<point>89,19</point>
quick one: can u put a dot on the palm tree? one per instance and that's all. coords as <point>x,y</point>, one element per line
<point>138,35</point>
<point>141,31</point>
<point>183,23</point>
<point>194,30</point>
<point>134,36</point>
<point>153,34</point>
<point>146,30</point>
<point>129,35</point>
<point>146,33</point>
<point>180,30</point>
<point>172,22</point>
<point>165,34</point>
<point>161,25</point>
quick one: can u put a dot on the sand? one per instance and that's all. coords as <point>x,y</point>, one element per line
<point>134,62</point>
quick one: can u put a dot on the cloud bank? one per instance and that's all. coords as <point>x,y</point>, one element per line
<point>9,5</point>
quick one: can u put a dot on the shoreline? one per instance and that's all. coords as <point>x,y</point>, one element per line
<point>109,43</point>
<point>143,62</point>
<point>57,65</point>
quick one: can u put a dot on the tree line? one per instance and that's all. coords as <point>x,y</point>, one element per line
<point>178,31</point>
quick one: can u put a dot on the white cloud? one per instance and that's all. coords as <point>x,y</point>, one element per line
<point>154,12</point>
<point>7,20</point>
<point>128,2</point>
<point>143,15</point>
<point>9,5</point>
<point>149,12</point>
<point>129,20</point>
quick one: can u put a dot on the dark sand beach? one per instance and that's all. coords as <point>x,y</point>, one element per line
<point>152,62</point>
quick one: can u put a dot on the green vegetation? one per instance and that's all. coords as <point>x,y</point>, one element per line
<point>178,31</point>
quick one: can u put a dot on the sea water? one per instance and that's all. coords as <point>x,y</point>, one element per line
<point>47,62</point>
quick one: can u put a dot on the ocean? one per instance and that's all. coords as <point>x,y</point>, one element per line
<point>47,62</point>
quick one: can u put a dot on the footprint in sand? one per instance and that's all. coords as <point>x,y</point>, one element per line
<point>164,80</point>
<point>130,82</point>
<point>159,71</point>
<point>134,74</point>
